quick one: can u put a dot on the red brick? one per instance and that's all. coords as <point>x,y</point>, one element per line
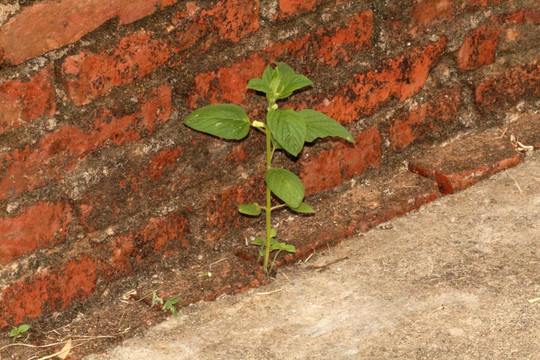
<point>50,290</point>
<point>509,88</point>
<point>425,12</point>
<point>41,225</point>
<point>233,19</point>
<point>480,45</point>
<point>327,45</point>
<point>164,159</point>
<point>346,40</point>
<point>331,167</point>
<point>385,196</point>
<point>463,162</point>
<point>59,152</point>
<point>223,20</point>
<point>400,77</point>
<point>292,7</point>
<point>238,154</point>
<point>91,75</point>
<point>158,236</point>
<point>525,130</point>
<point>288,8</point>
<point>46,26</point>
<point>222,214</point>
<point>25,100</point>
<point>424,119</point>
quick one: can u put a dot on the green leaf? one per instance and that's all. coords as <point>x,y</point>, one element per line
<point>288,128</point>
<point>171,302</point>
<point>292,84</point>
<point>267,75</point>
<point>252,209</point>
<point>23,328</point>
<point>290,81</point>
<point>303,209</point>
<point>156,300</point>
<point>318,125</point>
<point>275,245</point>
<point>290,248</point>
<point>258,85</point>
<point>14,332</point>
<point>277,146</point>
<point>284,69</point>
<point>281,246</point>
<point>259,241</point>
<point>273,232</point>
<point>227,121</point>
<point>286,186</point>
<point>169,305</point>
<point>262,85</point>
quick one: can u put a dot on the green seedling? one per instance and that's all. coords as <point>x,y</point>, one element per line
<point>285,130</point>
<point>156,300</point>
<point>169,305</point>
<point>17,331</point>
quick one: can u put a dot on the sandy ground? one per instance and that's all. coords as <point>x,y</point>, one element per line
<point>451,281</point>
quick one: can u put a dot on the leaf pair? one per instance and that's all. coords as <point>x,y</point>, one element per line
<point>291,129</point>
<point>274,244</point>
<point>279,83</point>
<point>19,330</point>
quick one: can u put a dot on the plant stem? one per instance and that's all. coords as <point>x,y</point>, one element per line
<point>268,211</point>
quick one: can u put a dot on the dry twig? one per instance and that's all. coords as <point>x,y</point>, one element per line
<point>519,188</point>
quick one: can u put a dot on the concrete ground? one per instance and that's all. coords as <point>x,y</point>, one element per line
<point>456,280</point>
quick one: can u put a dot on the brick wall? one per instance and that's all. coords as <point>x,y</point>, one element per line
<point>98,177</point>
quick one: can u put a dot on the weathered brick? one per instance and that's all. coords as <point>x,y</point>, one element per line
<point>59,152</point>
<point>425,119</point>
<point>516,83</point>
<point>331,167</point>
<point>329,46</point>
<point>463,162</point>
<point>233,19</point>
<point>345,40</point>
<point>158,236</point>
<point>25,100</point>
<point>288,8</point>
<point>292,7</point>
<point>525,130</point>
<point>164,159</point>
<point>424,12</point>
<point>48,291</point>
<point>222,214</point>
<point>46,26</point>
<point>400,77</point>
<point>41,225</point>
<point>385,196</point>
<point>480,45</point>
<point>88,75</point>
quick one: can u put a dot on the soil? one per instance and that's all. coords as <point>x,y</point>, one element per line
<point>452,280</point>
<point>455,280</point>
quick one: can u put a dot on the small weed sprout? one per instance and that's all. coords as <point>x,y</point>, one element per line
<point>285,130</point>
<point>17,331</point>
<point>156,300</point>
<point>169,304</point>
